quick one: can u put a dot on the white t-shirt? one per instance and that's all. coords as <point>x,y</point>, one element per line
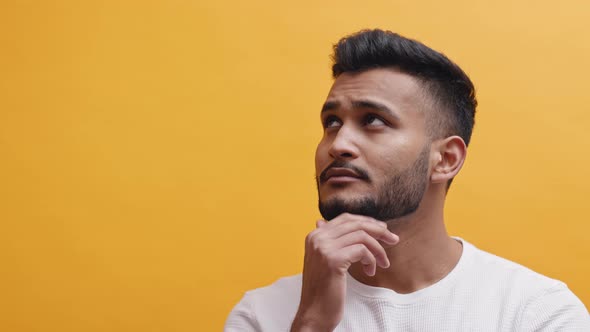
<point>482,293</point>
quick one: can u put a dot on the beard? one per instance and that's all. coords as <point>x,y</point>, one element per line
<point>399,196</point>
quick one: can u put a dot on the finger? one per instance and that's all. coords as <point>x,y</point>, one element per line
<point>369,270</point>
<point>376,229</point>
<point>361,237</point>
<point>320,223</point>
<point>360,253</point>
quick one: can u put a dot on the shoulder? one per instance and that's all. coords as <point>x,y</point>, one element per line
<point>279,293</point>
<point>489,268</point>
<point>555,309</point>
<point>277,300</point>
<point>544,303</point>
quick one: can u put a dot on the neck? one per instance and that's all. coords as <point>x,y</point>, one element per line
<point>424,255</point>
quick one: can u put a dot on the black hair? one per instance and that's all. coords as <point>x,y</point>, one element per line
<point>449,88</point>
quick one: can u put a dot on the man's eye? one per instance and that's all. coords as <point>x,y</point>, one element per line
<point>331,122</point>
<point>374,121</point>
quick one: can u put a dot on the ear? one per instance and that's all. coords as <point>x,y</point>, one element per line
<point>449,156</point>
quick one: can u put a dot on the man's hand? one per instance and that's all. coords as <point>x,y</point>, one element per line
<point>329,251</point>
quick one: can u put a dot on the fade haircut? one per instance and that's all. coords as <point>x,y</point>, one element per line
<point>450,91</point>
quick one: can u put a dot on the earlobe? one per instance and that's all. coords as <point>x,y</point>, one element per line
<point>451,153</point>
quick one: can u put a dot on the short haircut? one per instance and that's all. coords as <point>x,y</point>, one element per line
<point>450,90</point>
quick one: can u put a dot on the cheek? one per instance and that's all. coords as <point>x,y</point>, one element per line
<point>389,160</point>
<point>319,158</point>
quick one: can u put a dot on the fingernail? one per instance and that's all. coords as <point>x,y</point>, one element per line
<point>391,239</point>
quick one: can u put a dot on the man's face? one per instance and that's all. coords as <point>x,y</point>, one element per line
<point>374,156</point>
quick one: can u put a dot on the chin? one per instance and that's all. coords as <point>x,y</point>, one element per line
<point>344,198</point>
<point>334,205</point>
<point>345,190</point>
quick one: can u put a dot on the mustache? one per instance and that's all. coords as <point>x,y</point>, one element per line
<point>362,174</point>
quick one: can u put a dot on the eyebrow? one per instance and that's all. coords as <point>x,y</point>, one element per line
<point>364,104</point>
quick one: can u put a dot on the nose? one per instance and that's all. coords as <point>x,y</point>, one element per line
<point>344,145</point>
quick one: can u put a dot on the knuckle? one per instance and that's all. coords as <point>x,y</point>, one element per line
<point>367,219</point>
<point>370,223</point>
<point>312,240</point>
<point>369,255</point>
<point>309,238</point>
<point>312,235</point>
<point>345,215</point>
<point>364,236</point>
<point>358,223</point>
<point>362,250</point>
<point>321,249</point>
<point>317,244</point>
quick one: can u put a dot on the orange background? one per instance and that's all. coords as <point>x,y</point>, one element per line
<point>157,156</point>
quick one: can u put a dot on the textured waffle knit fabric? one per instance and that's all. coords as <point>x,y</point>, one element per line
<point>482,293</point>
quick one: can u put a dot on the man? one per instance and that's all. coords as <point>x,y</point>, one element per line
<point>397,123</point>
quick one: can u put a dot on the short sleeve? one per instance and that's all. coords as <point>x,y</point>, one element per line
<point>556,309</point>
<point>241,318</point>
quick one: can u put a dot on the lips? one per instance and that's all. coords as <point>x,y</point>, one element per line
<point>341,173</point>
<point>341,176</point>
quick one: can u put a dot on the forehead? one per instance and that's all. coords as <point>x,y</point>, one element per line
<point>389,86</point>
